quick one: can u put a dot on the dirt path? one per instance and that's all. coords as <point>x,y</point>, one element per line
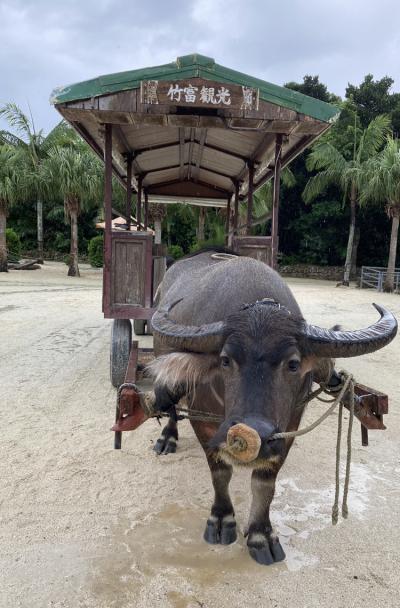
<point>82,525</point>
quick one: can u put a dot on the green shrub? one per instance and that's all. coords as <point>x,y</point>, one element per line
<point>95,251</point>
<point>175,251</point>
<point>209,243</point>
<point>13,245</point>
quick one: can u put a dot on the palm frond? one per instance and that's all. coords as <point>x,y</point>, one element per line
<point>381,181</point>
<point>11,139</point>
<point>373,137</point>
<point>323,156</point>
<point>17,119</point>
<point>318,183</point>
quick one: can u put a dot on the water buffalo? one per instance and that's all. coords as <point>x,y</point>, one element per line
<point>229,335</point>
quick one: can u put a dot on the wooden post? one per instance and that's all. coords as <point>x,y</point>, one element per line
<point>275,208</point>
<point>128,208</point>
<point>250,198</point>
<point>139,203</point>
<point>107,215</point>
<point>146,209</point>
<point>228,220</point>
<point>236,211</point>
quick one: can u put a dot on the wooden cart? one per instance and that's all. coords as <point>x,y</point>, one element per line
<point>191,132</point>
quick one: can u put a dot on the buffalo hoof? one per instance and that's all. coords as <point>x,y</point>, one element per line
<point>165,445</point>
<point>220,530</point>
<point>265,549</point>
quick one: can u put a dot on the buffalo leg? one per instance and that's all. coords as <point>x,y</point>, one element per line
<point>221,525</point>
<point>166,444</point>
<point>264,546</point>
<point>165,401</point>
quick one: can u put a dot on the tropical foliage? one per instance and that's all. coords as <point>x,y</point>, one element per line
<point>382,185</point>
<point>32,147</point>
<point>333,167</point>
<point>76,175</point>
<point>348,179</point>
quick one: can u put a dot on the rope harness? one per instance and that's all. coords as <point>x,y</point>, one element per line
<point>346,385</point>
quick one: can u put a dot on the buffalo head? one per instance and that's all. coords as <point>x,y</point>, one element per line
<point>266,358</point>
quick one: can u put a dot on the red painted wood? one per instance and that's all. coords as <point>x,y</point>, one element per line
<point>107,216</point>
<point>275,208</point>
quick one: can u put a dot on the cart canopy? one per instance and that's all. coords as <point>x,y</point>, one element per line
<point>193,129</point>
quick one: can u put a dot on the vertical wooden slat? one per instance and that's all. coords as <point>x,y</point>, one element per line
<point>107,217</point>
<point>146,209</point>
<point>128,207</point>
<point>250,198</point>
<point>236,212</point>
<point>275,208</point>
<point>228,220</point>
<point>139,203</point>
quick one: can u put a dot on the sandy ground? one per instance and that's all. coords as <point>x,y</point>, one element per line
<point>82,525</point>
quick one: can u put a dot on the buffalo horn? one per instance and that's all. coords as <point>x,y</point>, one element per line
<point>202,338</point>
<point>331,343</point>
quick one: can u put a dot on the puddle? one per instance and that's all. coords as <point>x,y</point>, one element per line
<point>166,550</point>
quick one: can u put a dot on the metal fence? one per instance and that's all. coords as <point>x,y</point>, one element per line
<point>374,277</point>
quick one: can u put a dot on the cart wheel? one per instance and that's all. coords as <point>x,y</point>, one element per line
<point>121,342</point>
<point>139,326</point>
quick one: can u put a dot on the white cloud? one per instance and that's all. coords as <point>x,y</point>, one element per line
<point>49,43</point>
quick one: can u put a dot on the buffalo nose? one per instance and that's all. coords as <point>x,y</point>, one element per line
<point>243,442</point>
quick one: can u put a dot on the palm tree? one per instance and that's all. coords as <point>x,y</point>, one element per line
<point>335,169</point>
<point>33,146</point>
<point>8,195</point>
<point>74,173</point>
<point>157,213</point>
<point>263,202</point>
<point>201,224</point>
<point>382,184</point>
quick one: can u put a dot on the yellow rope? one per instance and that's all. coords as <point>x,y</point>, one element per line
<point>347,385</point>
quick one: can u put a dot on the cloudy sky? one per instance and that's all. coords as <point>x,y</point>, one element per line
<point>46,43</point>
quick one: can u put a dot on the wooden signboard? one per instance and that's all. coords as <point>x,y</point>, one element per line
<point>198,93</point>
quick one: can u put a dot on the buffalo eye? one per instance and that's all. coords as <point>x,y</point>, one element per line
<point>225,362</point>
<point>293,365</point>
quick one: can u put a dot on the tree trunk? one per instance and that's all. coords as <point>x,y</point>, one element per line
<point>157,230</point>
<point>347,264</point>
<point>202,221</point>
<point>73,270</point>
<point>356,242</point>
<point>39,211</point>
<point>3,242</point>
<point>389,281</point>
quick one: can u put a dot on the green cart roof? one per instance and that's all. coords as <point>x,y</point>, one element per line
<point>192,151</point>
<point>192,66</point>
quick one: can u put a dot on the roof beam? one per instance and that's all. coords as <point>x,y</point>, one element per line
<point>189,165</point>
<point>227,152</point>
<point>182,142</point>
<point>203,135</point>
<point>171,144</point>
<point>190,157</point>
<point>261,150</point>
<point>120,136</point>
<point>94,145</point>
<point>178,181</point>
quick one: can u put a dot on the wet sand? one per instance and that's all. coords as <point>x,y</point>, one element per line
<point>82,525</point>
